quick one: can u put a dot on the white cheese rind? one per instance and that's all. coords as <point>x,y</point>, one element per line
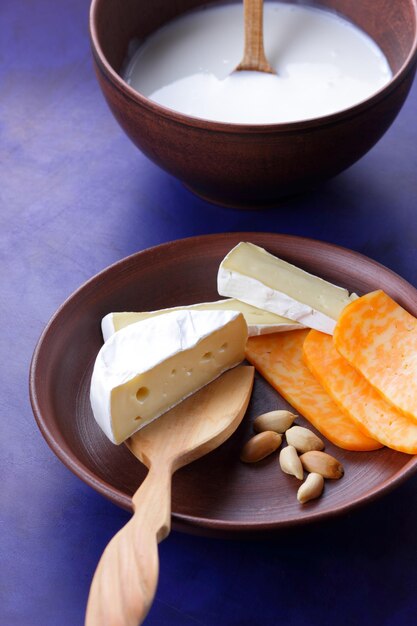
<point>148,367</point>
<point>257,294</point>
<point>108,326</point>
<point>269,289</point>
<point>259,321</point>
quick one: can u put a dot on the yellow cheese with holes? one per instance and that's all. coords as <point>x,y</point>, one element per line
<point>148,367</point>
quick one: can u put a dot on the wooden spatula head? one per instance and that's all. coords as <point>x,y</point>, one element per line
<point>197,425</point>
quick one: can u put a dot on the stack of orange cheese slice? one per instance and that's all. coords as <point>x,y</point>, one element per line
<point>359,387</point>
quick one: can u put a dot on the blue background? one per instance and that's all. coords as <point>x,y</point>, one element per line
<point>75,196</point>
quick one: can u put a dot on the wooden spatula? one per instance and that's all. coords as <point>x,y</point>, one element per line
<point>254,58</point>
<point>126,577</point>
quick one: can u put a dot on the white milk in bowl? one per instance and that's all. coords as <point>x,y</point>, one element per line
<point>323,64</point>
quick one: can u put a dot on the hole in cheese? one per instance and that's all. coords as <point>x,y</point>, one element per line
<point>223,347</point>
<point>141,394</point>
<point>207,356</point>
<point>173,372</point>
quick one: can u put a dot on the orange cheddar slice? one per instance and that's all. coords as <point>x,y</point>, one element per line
<point>356,397</point>
<point>279,358</point>
<point>379,339</point>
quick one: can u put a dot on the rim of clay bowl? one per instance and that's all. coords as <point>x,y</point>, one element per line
<point>231,127</point>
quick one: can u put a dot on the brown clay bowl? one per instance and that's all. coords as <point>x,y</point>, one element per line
<point>218,494</point>
<point>236,164</point>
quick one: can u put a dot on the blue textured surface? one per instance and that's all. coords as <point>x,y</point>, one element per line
<point>76,196</point>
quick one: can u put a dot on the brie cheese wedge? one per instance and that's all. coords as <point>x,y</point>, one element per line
<point>148,367</point>
<point>259,321</point>
<point>251,274</point>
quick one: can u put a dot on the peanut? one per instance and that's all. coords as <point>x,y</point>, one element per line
<point>303,439</point>
<point>260,446</point>
<point>311,488</point>
<point>278,421</point>
<point>290,462</point>
<point>322,463</point>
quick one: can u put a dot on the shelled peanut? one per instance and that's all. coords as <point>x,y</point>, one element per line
<point>278,421</point>
<point>260,446</point>
<point>311,488</point>
<point>304,452</point>
<point>290,463</point>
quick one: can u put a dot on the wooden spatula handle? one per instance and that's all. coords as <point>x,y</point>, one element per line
<point>126,577</point>
<point>254,54</point>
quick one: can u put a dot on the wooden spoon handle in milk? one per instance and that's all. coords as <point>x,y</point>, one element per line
<point>126,577</point>
<point>254,58</point>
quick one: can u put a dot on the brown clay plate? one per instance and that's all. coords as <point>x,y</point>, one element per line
<point>216,494</point>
